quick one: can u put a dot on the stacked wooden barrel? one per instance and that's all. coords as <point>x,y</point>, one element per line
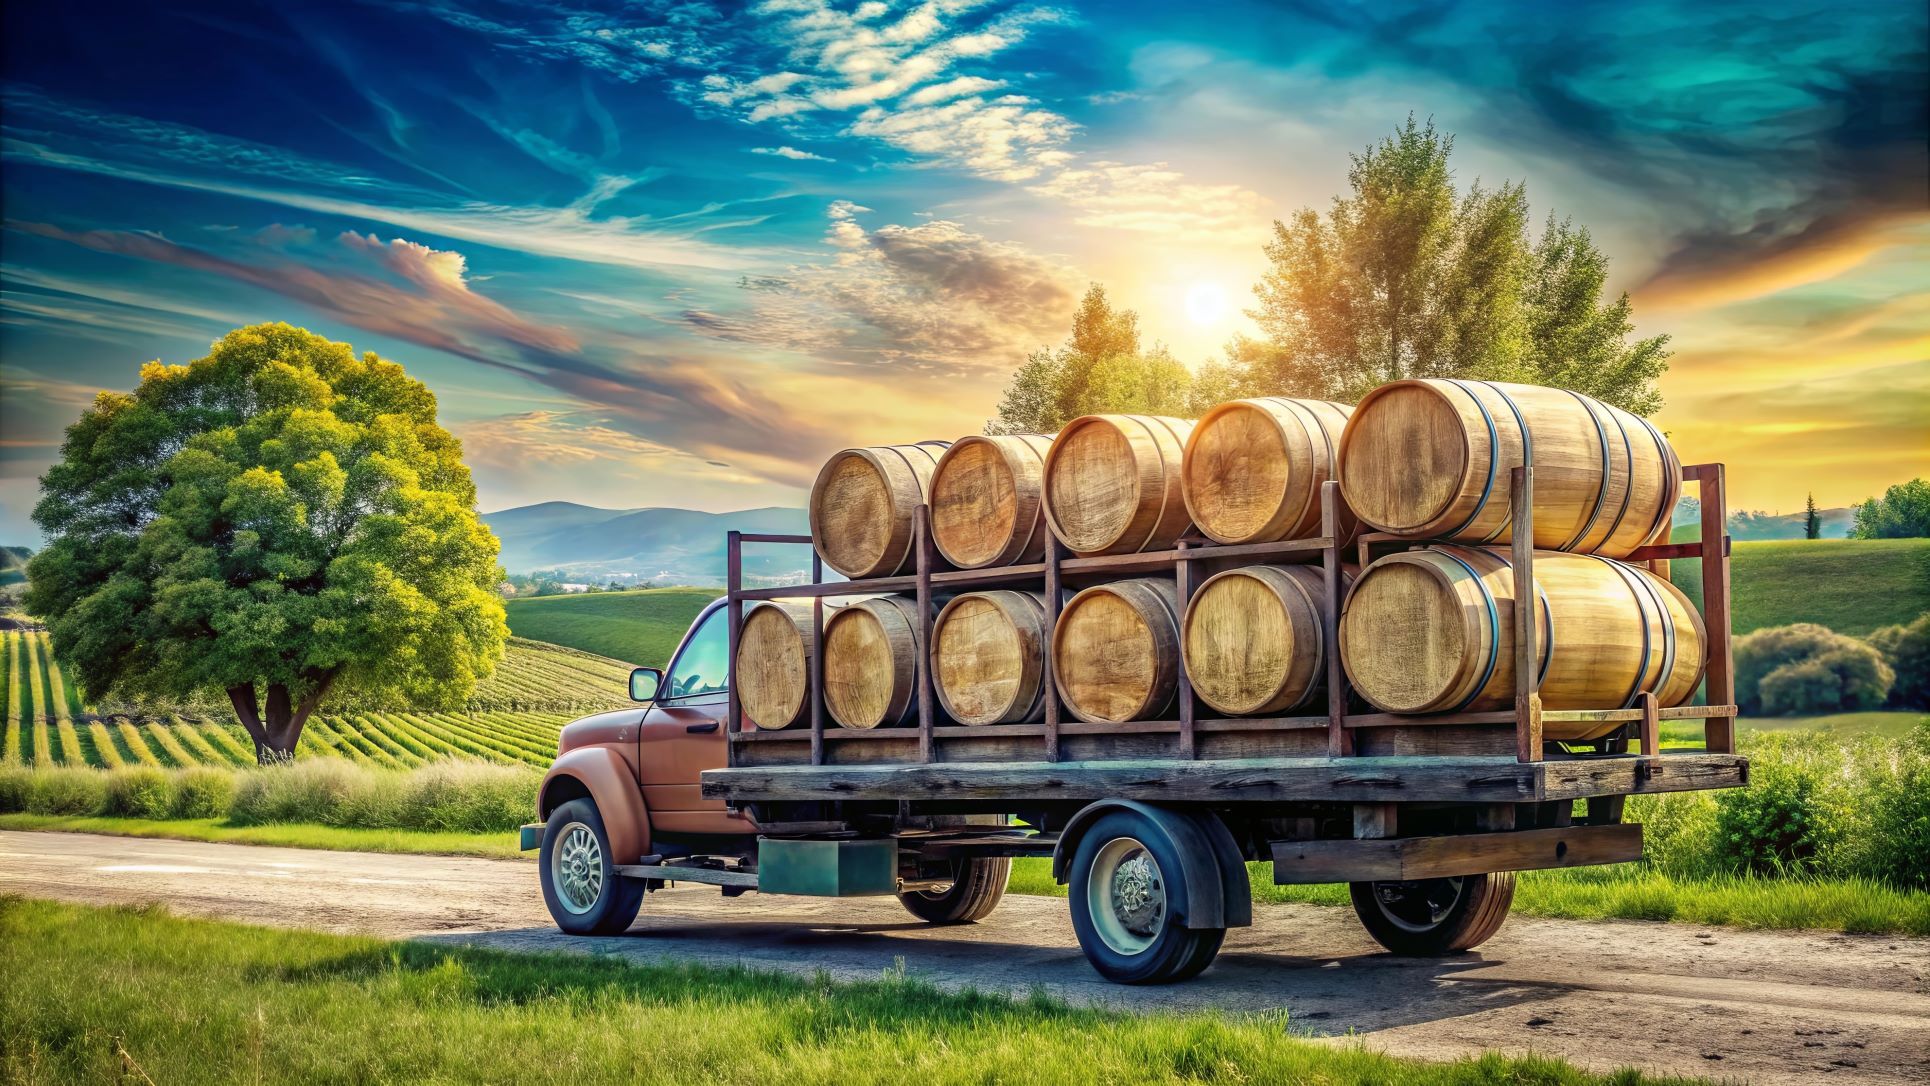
<point>865,503</point>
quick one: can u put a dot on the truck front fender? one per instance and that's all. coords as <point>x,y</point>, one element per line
<point>1218,893</point>
<point>600,774</point>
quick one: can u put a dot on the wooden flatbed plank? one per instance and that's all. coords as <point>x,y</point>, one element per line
<point>1397,720</point>
<point>1405,779</point>
<point>1400,859</point>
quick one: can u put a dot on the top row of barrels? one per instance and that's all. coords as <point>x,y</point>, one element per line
<point>1416,459</point>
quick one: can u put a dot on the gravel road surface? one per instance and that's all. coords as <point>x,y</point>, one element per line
<point>1765,1007</point>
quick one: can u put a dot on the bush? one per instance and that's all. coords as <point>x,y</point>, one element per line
<point>1778,824</point>
<point>15,782</point>
<point>203,792</point>
<point>1890,836</point>
<point>329,791</point>
<point>138,792</point>
<point>1844,679</point>
<point>1826,671</point>
<point>66,790</point>
<point>470,797</point>
<point>1907,650</point>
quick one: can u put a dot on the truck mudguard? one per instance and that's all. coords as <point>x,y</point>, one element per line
<point>601,774</point>
<point>1217,892</point>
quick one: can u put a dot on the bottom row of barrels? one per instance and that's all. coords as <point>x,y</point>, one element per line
<point>1423,631</point>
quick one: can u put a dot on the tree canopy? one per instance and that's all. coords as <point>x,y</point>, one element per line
<point>274,521</point>
<point>1902,512</point>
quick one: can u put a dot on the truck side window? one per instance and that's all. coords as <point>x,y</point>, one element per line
<point>703,667</point>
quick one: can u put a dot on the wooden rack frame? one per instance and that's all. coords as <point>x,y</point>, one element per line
<point>1184,563</point>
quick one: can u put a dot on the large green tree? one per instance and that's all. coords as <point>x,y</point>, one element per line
<point>1408,277</point>
<point>1902,512</point>
<point>275,521</point>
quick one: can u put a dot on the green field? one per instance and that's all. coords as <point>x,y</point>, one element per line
<point>513,717</point>
<point>138,995</point>
<point>1852,586</point>
<point>642,627</point>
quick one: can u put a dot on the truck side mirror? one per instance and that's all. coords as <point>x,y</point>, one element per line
<point>644,683</point>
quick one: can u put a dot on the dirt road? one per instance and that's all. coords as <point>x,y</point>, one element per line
<point>1766,1007</point>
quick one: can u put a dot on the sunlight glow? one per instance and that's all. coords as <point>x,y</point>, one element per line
<point>1206,304</point>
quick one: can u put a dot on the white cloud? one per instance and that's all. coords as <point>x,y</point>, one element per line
<point>791,153</point>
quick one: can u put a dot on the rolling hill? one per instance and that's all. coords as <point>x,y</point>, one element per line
<point>640,627</point>
<point>1852,586</point>
<point>679,545</point>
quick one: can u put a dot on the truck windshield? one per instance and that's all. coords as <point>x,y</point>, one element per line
<point>703,667</point>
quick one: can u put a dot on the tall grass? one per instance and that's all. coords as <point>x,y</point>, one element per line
<point>447,796</point>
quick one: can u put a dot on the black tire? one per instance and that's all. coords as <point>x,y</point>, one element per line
<point>616,899</point>
<point>1432,917</point>
<point>1160,951</point>
<point>976,890</point>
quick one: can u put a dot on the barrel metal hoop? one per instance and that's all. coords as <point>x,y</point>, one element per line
<point>1165,492</point>
<point>1671,478</point>
<point>1668,629</point>
<point>1494,629</point>
<point>1547,623</point>
<point>1318,678</point>
<point>1641,609</point>
<point>1527,455</point>
<point>1313,423</point>
<point>1608,472</point>
<point>1494,460</point>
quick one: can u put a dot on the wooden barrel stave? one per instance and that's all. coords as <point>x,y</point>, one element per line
<point>872,655</point>
<point>1253,468</point>
<point>1251,638</point>
<point>1431,459</point>
<point>988,657</point>
<point>1115,651</point>
<point>864,505</point>
<point>774,663</point>
<point>1432,631</point>
<point>1112,484</point>
<point>985,500</point>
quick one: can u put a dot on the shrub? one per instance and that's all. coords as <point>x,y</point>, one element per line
<point>138,792</point>
<point>1780,823</point>
<point>317,790</point>
<point>1759,653</point>
<point>1678,832</point>
<point>66,790</point>
<point>15,782</point>
<point>1891,840</point>
<point>1907,650</point>
<point>203,792</point>
<point>470,797</point>
<point>1843,679</point>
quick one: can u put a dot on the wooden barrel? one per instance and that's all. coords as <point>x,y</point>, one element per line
<point>1430,459</point>
<point>1253,469</point>
<point>864,504</point>
<point>988,657</point>
<point>985,501</point>
<point>774,663</point>
<point>1115,651</point>
<point>1112,483</point>
<point>1252,638</point>
<point>872,650</point>
<point>1432,630</point>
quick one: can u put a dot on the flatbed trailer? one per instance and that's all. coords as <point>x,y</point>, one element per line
<point>1153,822</point>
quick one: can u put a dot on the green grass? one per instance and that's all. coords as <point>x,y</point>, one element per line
<point>642,627</point>
<point>1852,586</point>
<point>137,994</point>
<point>287,835</point>
<point>1634,892</point>
<point>513,717</point>
<point>1881,723</point>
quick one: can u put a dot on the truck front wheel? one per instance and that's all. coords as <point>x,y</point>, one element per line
<point>975,891</point>
<point>1126,878</point>
<point>581,886</point>
<point>1427,918</point>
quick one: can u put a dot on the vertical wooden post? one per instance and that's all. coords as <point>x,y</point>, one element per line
<point>921,540</point>
<point>1051,624</point>
<point>1183,571</point>
<point>734,617</point>
<point>1718,732</point>
<point>1651,724</point>
<point>1340,741</point>
<point>817,662</point>
<point>1375,821</point>
<point>1521,497</point>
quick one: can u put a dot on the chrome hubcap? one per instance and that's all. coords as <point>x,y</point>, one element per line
<point>1126,896</point>
<point>576,868</point>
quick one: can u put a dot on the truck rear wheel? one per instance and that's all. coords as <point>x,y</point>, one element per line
<point>1431,917</point>
<point>1125,878</point>
<point>976,890</point>
<point>581,887</point>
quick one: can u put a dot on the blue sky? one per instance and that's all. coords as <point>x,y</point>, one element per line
<point>676,253</point>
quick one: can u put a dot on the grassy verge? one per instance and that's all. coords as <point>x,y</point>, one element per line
<point>285,835</point>
<point>137,994</point>
<point>1631,892</point>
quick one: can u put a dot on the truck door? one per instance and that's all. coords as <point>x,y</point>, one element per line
<point>683,733</point>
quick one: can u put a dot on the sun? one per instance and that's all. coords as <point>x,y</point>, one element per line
<point>1206,304</point>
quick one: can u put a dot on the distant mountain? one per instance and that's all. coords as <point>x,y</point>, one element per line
<point>681,546</point>
<point>1756,524</point>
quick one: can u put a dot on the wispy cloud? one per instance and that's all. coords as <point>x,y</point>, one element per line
<point>791,153</point>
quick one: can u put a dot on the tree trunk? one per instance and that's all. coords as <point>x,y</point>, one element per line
<point>277,730</point>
